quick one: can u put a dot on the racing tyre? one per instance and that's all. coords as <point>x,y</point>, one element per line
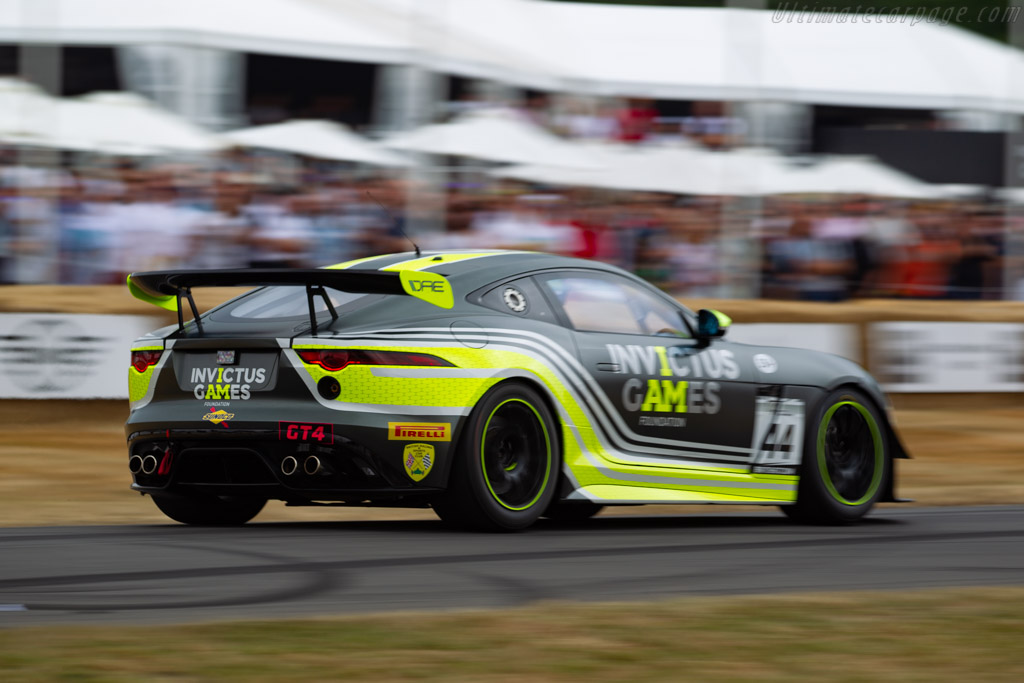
<point>560,511</point>
<point>846,461</point>
<point>209,510</point>
<point>505,470</point>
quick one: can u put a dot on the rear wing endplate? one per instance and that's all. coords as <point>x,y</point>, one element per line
<point>167,288</point>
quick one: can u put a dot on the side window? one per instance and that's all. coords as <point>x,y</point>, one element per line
<point>598,304</point>
<point>521,298</point>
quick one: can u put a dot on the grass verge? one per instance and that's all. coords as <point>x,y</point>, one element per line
<point>943,634</point>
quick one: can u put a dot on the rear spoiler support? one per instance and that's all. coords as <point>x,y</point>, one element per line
<point>186,292</point>
<point>311,291</point>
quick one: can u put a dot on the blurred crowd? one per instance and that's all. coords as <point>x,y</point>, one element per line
<point>93,223</point>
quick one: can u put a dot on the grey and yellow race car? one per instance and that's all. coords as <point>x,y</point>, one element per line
<point>493,387</point>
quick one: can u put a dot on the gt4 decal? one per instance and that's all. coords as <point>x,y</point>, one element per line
<point>778,431</point>
<point>306,431</point>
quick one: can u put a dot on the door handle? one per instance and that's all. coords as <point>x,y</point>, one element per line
<point>609,367</point>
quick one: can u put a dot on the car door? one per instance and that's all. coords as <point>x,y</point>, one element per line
<point>676,401</point>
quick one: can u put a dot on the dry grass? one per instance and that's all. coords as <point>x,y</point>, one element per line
<point>945,635</point>
<point>64,462</point>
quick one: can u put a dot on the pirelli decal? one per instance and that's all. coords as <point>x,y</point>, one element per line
<point>419,431</point>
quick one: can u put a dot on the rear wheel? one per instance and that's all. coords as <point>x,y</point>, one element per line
<point>505,470</point>
<point>845,465</point>
<point>208,510</point>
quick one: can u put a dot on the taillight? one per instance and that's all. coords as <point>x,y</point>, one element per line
<point>142,360</point>
<point>333,360</point>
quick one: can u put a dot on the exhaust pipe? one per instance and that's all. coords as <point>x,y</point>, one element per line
<point>312,465</point>
<point>135,464</point>
<point>289,465</point>
<point>149,464</point>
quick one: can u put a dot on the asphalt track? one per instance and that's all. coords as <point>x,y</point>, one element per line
<point>171,573</point>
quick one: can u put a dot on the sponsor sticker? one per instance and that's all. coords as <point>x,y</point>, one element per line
<point>418,458</point>
<point>226,383</point>
<point>761,469</point>
<point>765,363</point>
<point>419,431</point>
<point>218,416</point>
<point>778,432</point>
<point>306,431</point>
<point>672,379</point>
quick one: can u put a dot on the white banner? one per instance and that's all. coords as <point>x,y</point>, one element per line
<point>837,338</point>
<point>948,357</point>
<point>64,355</point>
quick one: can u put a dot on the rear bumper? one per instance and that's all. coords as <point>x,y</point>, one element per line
<point>297,461</point>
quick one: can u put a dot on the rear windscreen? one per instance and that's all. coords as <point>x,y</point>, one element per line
<point>270,303</point>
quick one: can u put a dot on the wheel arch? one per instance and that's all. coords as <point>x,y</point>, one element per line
<point>895,445</point>
<point>551,405</point>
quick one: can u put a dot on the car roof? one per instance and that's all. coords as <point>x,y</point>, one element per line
<point>471,269</point>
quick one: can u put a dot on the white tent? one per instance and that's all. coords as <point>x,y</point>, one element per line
<point>27,114</point>
<point>667,52</point>
<point>322,139</point>
<point>492,135</point>
<point>838,58</point>
<point>671,169</point>
<point>739,172</point>
<point>113,123</point>
<point>126,123</point>
<point>856,175</point>
<point>328,29</point>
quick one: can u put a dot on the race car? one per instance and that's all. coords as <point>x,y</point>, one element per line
<point>494,387</point>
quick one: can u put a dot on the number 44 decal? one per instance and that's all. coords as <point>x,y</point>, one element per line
<point>778,431</point>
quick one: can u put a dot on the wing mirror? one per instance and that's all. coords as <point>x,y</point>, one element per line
<point>711,324</point>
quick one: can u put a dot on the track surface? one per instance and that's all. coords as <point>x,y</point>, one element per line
<point>158,574</point>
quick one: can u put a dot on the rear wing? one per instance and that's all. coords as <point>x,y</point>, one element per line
<point>167,288</point>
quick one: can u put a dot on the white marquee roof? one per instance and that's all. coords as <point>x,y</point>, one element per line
<point>323,139</point>
<point>667,52</point>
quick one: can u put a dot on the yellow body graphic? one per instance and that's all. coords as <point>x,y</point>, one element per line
<point>601,471</point>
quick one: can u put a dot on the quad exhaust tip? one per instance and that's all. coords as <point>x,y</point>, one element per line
<point>135,464</point>
<point>149,464</point>
<point>289,465</point>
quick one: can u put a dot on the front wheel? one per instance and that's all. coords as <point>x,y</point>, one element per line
<point>208,510</point>
<point>846,461</point>
<point>506,466</point>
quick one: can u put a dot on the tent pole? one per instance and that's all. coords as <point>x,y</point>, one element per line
<point>40,63</point>
<point>739,255</point>
<point>1013,177</point>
